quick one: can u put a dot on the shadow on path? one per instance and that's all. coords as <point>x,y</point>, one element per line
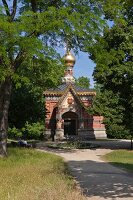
<point>98,179</point>
<point>102,180</point>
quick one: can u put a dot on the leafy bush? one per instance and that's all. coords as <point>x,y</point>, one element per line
<point>30,131</point>
<point>118,132</point>
<point>14,133</point>
<point>33,131</point>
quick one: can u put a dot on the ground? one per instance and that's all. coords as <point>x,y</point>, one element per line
<point>98,179</point>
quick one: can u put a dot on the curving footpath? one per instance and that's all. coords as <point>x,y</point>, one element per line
<point>98,179</point>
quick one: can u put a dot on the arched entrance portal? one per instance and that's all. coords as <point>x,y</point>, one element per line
<point>70,123</point>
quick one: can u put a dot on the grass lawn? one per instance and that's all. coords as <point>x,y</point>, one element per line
<point>121,158</point>
<point>31,175</point>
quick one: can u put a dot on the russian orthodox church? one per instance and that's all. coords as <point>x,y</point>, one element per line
<point>67,108</point>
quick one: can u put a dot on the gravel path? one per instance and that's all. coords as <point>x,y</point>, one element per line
<point>98,179</point>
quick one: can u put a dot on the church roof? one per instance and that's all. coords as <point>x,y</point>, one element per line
<point>79,90</point>
<point>67,89</point>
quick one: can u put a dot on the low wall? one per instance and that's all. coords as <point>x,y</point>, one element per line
<point>92,133</point>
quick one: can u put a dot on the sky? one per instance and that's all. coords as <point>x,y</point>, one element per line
<point>84,67</point>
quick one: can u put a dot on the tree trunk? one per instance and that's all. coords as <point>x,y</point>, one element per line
<point>5,93</point>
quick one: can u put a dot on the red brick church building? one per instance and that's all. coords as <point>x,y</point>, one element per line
<point>67,108</point>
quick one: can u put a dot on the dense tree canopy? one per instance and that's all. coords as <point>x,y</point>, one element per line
<point>27,103</point>
<point>113,54</point>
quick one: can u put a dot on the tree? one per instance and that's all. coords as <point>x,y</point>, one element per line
<point>106,104</point>
<point>83,82</point>
<point>113,54</point>
<point>27,102</point>
<point>32,29</point>
<point>24,106</point>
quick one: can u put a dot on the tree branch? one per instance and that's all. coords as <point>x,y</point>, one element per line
<point>34,5</point>
<point>6,7</point>
<point>14,9</point>
<point>19,59</point>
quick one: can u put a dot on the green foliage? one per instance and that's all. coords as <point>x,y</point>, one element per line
<point>37,30</point>
<point>113,53</point>
<point>25,106</point>
<point>33,131</point>
<point>14,133</point>
<point>118,132</point>
<point>121,158</point>
<point>109,105</point>
<point>83,82</point>
<point>105,104</point>
<point>29,131</point>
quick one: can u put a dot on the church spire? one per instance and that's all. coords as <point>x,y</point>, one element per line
<point>69,62</point>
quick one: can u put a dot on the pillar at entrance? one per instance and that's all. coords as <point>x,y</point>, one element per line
<point>59,134</point>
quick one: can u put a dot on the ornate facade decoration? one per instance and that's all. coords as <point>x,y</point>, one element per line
<point>67,108</point>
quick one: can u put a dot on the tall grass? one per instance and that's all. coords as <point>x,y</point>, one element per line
<point>30,175</point>
<point>121,158</point>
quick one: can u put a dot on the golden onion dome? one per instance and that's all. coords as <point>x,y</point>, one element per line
<point>69,59</point>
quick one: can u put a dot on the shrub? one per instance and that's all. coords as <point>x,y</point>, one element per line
<point>14,133</point>
<point>118,132</point>
<point>30,131</point>
<point>33,131</point>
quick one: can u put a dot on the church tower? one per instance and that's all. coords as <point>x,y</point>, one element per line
<point>69,60</point>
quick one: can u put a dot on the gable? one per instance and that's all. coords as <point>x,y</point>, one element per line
<point>70,98</point>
